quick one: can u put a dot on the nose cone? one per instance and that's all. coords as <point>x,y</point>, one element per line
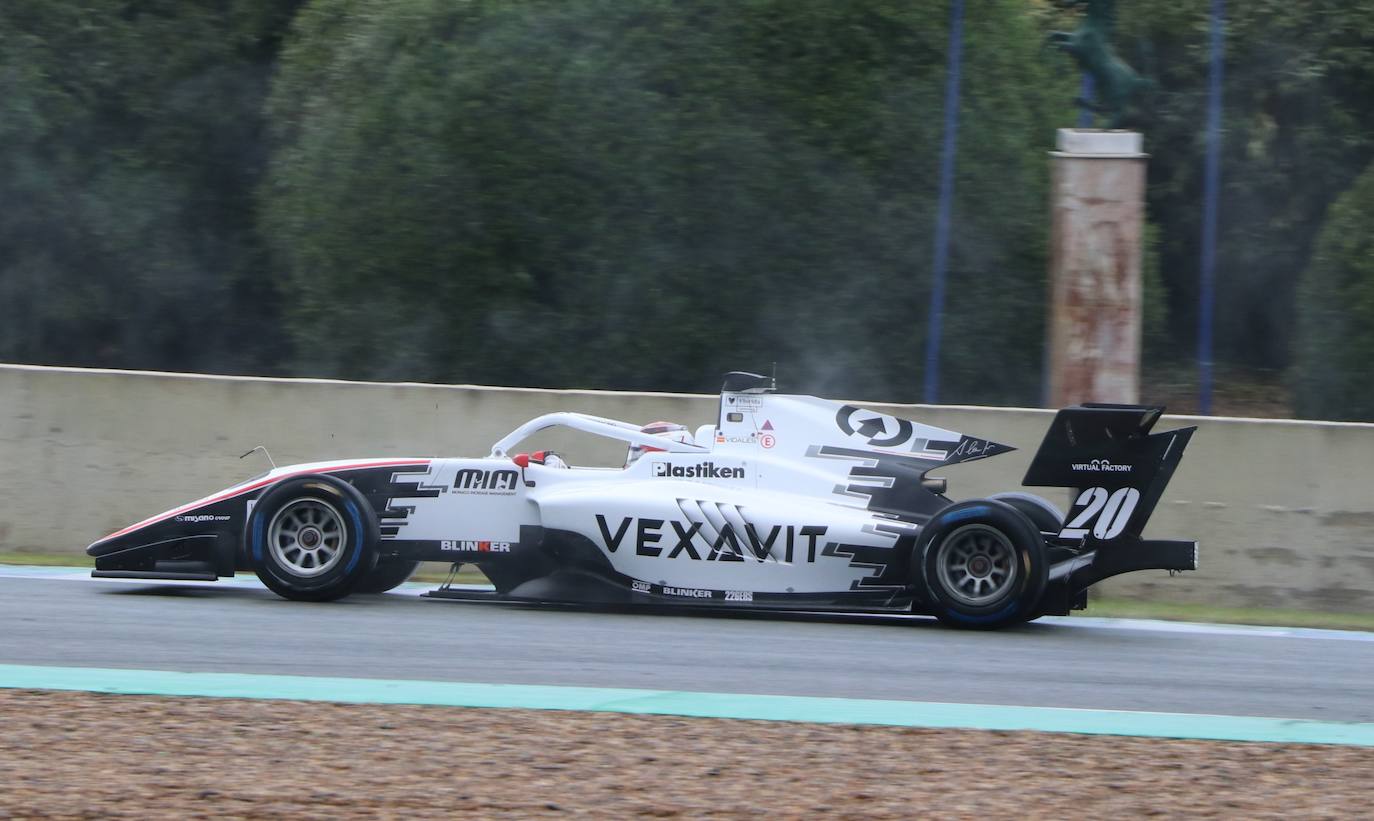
<point>130,537</point>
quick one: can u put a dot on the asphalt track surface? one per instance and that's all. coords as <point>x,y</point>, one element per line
<point>1088,663</point>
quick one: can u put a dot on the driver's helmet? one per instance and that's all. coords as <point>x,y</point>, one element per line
<point>668,430</point>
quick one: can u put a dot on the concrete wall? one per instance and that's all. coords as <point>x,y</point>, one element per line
<point>1284,510</point>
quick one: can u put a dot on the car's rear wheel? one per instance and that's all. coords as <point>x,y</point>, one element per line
<point>1043,513</point>
<point>982,564</point>
<point>390,572</point>
<point>312,538</point>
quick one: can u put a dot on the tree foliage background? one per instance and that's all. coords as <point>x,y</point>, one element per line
<point>1337,311</point>
<point>642,193</point>
<point>647,194</point>
<point>130,148</point>
<point>1298,123</point>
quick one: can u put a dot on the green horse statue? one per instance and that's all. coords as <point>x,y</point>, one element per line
<point>1114,82</point>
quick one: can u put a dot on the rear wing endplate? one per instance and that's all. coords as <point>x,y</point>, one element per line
<point>1118,468</point>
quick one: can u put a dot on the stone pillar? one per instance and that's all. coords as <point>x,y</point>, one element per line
<point>1097,225</point>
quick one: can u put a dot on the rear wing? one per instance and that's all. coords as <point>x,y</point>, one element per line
<point>1116,466</point>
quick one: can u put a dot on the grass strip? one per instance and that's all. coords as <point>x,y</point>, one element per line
<point>1273,617</point>
<point>45,559</point>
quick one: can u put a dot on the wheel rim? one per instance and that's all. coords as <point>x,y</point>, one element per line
<point>306,537</point>
<point>977,565</point>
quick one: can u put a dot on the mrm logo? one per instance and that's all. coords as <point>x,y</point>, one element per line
<point>704,470</point>
<point>490,481</point>
<point>652,537</point>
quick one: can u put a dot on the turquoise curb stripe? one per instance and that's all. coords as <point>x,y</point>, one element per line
<point>706,705</point>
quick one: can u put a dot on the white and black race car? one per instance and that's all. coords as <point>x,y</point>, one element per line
<point>786,502</point>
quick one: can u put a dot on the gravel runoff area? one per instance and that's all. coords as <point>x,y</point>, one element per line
<point>85,755</point>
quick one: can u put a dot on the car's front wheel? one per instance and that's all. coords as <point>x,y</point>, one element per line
<point>312,538</point>
<point>983,565</point>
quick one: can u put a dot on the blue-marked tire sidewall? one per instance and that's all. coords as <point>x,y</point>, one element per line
<point>358,548</point>
<point>1028,588</point>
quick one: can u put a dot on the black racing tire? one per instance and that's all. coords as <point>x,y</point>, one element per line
<point>982,564</point>
<point>389,573</point>
<point>1043,513</point>
<point>312,538</point>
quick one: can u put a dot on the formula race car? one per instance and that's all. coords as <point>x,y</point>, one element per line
<point>786,503</point>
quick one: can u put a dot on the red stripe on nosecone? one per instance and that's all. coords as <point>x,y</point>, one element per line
<point>229,494</point>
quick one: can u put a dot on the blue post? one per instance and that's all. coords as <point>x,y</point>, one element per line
<point>1211,183</point>
<point>947,154</point>
<point>1085,91</point>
